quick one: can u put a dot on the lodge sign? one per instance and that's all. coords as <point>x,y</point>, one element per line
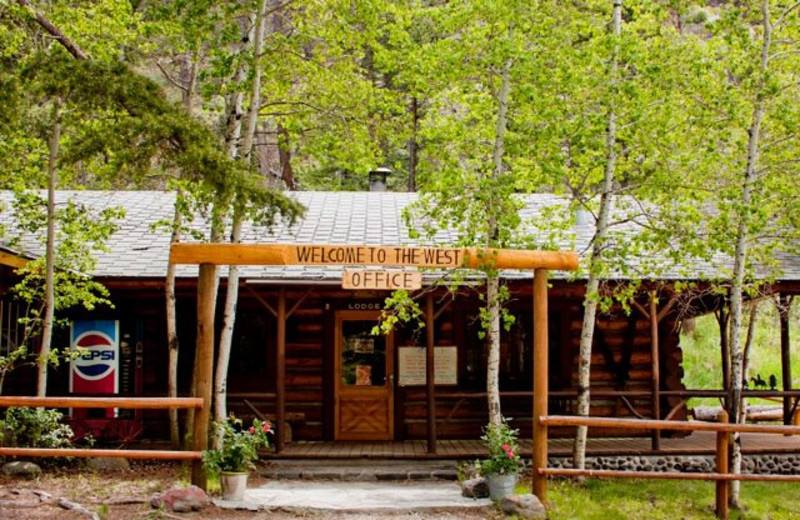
<point>379,255</point>
<point>381,279</point>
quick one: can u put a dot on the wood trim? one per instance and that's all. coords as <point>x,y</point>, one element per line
<point>136,403</point>
<point>12,260</point>
<point>442,309</point>
<point>275,254</point>
<point>204,364</point>
<point>280,366</point>
<point>430,377</point>
<point>299,302</point>
<point>126,454</point>
<point>650,424</point>
<point>263,301</point>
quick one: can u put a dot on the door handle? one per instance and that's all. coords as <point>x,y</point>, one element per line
<point>390,377</point>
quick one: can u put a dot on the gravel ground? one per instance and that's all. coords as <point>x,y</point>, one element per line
<point>102,492</point>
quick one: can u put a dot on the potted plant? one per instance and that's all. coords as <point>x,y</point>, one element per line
<point>237,454</point>
<point>504,464</point>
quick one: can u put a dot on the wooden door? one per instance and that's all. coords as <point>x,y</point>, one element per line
<point>364,379</point>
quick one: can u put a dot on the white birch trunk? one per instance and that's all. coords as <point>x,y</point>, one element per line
<point>226,336</point>
<point>748,342</point>
<point>493,282</point>
<point>50,251</point>
<point>169,286</point>
<point>232,133</point>
<point>598,244</point>
<point>740,255</point>
<point>172,333</point>
<point>232,294</point>
<point>493,360</point>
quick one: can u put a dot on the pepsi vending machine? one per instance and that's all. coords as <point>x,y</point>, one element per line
<point>108,364</point>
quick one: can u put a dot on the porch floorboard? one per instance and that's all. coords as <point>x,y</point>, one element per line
<point>694,444</point>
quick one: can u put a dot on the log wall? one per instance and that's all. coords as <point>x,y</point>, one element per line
<point>621,359</point>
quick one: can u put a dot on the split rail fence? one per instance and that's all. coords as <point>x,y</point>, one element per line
<point>721,476</point>
<point>135,403</point>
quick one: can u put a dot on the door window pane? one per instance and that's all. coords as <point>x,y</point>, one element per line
<point>363,355</point>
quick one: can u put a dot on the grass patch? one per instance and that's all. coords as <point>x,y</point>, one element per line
<point>702,362</point>
<point>627,499</point>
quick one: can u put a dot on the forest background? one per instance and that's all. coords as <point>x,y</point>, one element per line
<point>678,116</point>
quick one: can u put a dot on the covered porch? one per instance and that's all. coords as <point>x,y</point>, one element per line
<point>698,443</point>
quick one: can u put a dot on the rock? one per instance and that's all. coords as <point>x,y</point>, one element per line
<point>21,468</point>
<point>181,500</point>
<point>108,464</point>
<point>523,506</point>
<point>475,488</point>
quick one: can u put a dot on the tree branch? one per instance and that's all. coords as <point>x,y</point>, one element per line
<point>48,26</point>
<point>169,77</point>
<point>785,13</point>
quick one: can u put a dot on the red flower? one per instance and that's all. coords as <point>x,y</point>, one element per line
<point>252,429</point>
<point>265,428</point>
<point>510,454</point>
<point>506,447</point>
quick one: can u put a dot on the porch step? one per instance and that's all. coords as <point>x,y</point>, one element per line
<point>362,471</point>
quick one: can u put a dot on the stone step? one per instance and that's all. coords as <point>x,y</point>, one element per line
<point>363,500</point>
<point>361,471</point>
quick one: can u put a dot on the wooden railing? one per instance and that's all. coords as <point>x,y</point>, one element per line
<point>721,476</point>
<point>136,403</point>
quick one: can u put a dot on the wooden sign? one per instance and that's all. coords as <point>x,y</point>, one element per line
<point>378,255</point>
<point>381,279</point>
<point>411,365</point>
<point>449,257</point>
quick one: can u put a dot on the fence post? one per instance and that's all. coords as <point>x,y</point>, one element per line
<point>723,486</point>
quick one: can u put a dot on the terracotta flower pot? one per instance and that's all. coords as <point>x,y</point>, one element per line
<point>233,485</point>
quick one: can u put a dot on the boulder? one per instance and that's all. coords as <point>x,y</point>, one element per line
<point>475,488</point>
<point>22,469</point>
<point>108,464</point>
<point>523,506</point>
<point>181,500</point>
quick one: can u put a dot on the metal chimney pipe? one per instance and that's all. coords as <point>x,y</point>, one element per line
<point>377,179</point>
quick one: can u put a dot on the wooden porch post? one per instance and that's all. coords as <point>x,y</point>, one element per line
<point>786,361</point>
<point>430,374</point>
<point>656,382</point>
<point>280,372</point>
<point>540,387</point>
<point>204,364</point>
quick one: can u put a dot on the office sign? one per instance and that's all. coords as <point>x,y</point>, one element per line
<point>389,279</point>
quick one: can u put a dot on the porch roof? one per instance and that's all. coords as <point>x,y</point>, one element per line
<point>140,248</point>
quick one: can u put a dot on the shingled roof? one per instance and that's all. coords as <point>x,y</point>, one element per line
<point>140,250</point>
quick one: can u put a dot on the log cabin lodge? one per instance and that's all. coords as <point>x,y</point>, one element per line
<point>303,347</point>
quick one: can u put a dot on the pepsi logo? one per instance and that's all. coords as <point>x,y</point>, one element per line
<point>97,355</point>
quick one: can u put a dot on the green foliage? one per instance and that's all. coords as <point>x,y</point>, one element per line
<point>240,446</point>
<point>701,351</point>
<point>399,308</point>
<point>634,499</point>
<point>501,442</point>
<point>80,231</point>
<point>35,428</point>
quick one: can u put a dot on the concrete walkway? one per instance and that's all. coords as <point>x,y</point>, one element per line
<point>356,497</point>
